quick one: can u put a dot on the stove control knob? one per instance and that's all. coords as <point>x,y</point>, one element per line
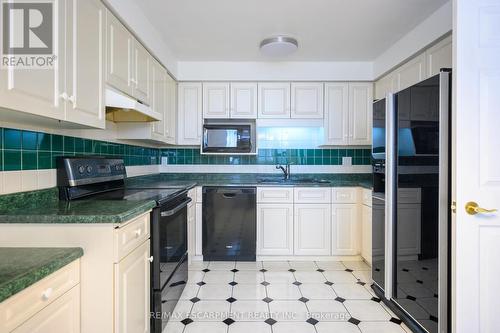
<point>81,169</point>
<point>89,169</point>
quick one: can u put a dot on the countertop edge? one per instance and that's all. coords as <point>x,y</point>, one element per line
<point>11,288</point>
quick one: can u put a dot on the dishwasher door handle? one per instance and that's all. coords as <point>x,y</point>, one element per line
<point>229,195</point>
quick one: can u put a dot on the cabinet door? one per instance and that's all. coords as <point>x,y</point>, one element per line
<point>312,225</point>
<point>171,110</point>
<point>274,100</point>
<point>360,113</point>
<point>190,117</point>
<point>191,221</point>
<point>244,100</point>
<point>274,229</point>
<point>118,55</point>
<point>132,291</point>
<point>307,100</point>
<point>141,73</point>
<point>216,100</point>
<point>439,56</point>
<point>336,121</point>
<point>85,62</point>
<point>411,72</point>
<point>38,91</point>
<point>60,316</point>
<point>198,240</point>
<point>366,233</point>
<point>408,230</point>
<point>159,99</point>
<point>345,229</point>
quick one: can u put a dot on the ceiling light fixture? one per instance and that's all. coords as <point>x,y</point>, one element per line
<point>278,46</point>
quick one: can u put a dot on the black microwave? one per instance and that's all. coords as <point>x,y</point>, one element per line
<point>230,138</point>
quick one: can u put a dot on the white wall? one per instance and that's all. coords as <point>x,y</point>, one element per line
<point>434,27</point>
<point>129,12</point>
<point>274,71</point>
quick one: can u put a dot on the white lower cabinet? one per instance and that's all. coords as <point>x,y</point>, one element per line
<point>61,316</point>
<point>274,229</point>
<point>191,220</point>
<point>132,291</point>
<point>345,229</point>
<point>198,250</point>
<point>312,224</point>
<point>366,233</point>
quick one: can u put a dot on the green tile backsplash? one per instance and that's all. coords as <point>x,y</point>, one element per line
<point>28,150</point>
<point>271,157</point>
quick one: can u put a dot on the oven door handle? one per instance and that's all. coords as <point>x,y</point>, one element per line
<point>176,209</point>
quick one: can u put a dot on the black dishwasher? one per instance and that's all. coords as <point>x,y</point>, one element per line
<point>229,223</point>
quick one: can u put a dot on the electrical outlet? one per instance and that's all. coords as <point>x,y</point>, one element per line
<point>346,161</point>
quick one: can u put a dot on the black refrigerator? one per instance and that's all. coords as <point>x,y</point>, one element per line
<point>411,154</point>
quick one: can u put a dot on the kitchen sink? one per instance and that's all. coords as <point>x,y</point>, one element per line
<point>293,181</point>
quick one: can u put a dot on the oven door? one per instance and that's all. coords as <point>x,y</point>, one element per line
<point>227,139</point>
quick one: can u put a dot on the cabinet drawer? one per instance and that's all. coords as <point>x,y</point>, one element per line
<point>199,194</point>
<point>366,197</point>
<point>312,195</point>
<point>275,194</point>
<point>131,235</point>
<point>345,195</point>
<point>409,195</point>
<point>18,308</point>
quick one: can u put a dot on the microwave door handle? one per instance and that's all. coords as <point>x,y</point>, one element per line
<point>176,209</point>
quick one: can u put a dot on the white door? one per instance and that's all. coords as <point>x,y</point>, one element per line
<point>38,91</point>
<point>159,99</point>
<point>476,245</point>
<point>141,73</point>
<point>345,229</point>
<point>216,100</point>
<point>118,55</point>
<point>312,226</point>
<point>336,120</point>
<point>85,62</point>
<point>274,229</point>
<point>190,117</point>
<point>307,100</point>
<point>60,316</point>
<point>360,113</point>
<point>244,100</point>
<point>132,281</point>
<point>274,100</point>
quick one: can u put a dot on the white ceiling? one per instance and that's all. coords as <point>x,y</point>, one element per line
<point>327,30</point>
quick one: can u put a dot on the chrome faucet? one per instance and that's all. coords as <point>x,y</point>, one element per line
<point>285,169</point>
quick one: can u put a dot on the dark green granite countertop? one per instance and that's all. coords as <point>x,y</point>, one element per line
<point>21,267</point>
<point>45,207</point>
<point>252,179</point>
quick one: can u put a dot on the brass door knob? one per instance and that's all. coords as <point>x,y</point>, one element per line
<point>473,208</point>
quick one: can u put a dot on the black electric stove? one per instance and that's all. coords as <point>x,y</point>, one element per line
<point>104,179</point>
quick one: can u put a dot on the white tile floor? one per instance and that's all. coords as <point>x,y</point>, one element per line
<point>275,297</point>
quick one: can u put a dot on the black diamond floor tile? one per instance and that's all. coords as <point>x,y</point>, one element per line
<point>329,283</point>
<point>354,321</point>
<point>263,270</point>
<point>297,283</point>
<point>292,270</point>
<point>361,283</point>
<point>270,321</point>
<point>228,321</point>
<point>312,321</point>
<point>187,321</point>
<point>233,283</point>
<point>195,299</point>
<point>206,270</point>
<point>376,299</point>
<point>349,270</point>
<point>304,299</point>
<point>267,299</point>
<point>265,283</point>
<point>320,270</point>
<point>395,321</point>
<point>340,299</point>
<point>231,299</point>
<point>201,283</point>
<point>234,270</point>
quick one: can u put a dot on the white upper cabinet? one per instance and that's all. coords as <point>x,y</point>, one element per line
<point>312,225</point>
<point>307,100</point>
<point>336,113</point>
<point>119,58</point>
<point>85,62</point>
<point>190,114</point>
<point>383,86</point>
<point>244,100</point>
<point>439,56</point>
<point>171,110</point>
<point>348,113</point>
<point>140,73</point>
<point>411,72</point>
<point>159,99</point>
<point>274,100</point>
<point>216,100</point>
<point>73,90</point>
<point>360,113</point>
